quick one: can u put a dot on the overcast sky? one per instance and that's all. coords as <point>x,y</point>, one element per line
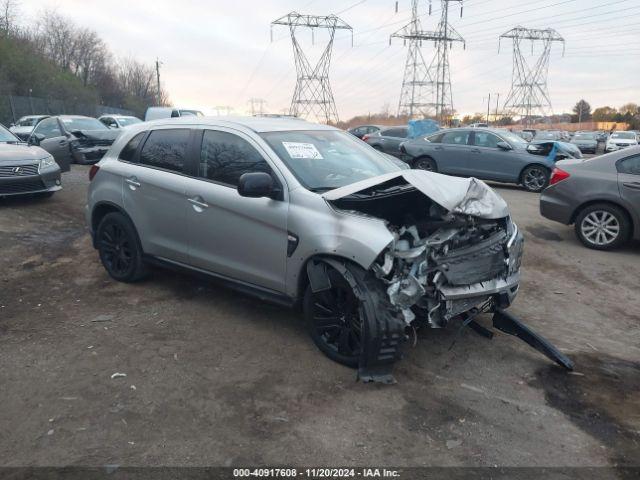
<point>218,52</point>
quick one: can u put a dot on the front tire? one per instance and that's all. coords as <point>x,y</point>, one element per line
<point>335,320</point>
<point>535,178</point>
<point>119,248</point>
<point>602,227</point>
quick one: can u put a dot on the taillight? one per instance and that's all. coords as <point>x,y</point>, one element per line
<point>365,138</point>
<point>92,172</point>
<point>558,175</point>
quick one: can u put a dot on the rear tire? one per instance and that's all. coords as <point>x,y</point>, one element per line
<point>535,178</point>
<point>603,226</point>
<point>425,163</point>
<point>119,248</point>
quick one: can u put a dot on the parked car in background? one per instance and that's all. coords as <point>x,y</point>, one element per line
<point>482,153</point>
<point>524,134</point>
<point>73,138</point>
<point>25,125</point>
<point>161,113</point>
<point>479,125</point>
<point>545,135</point>
<point>586,142</point>
<point>119,121</point>
<point>618,140</point>
<point>602,136</point>
<point>388,139</point>
<point>26,170</point>
<point>599,196</point>
<point>363,130</point>
<point>268,206</point>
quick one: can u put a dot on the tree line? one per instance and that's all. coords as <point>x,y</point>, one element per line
<point>52,57</point>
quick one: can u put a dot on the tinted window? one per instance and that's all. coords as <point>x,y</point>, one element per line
<point>166,149</point>
<point>225,157</point>
<point>395,132</point>
<point>630,165</point>
<point>456,138</point>
<point>486,139</point>
<point>49,128</point>
<point>129,151</point>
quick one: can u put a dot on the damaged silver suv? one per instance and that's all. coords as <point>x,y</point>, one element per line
<point>307,215</point>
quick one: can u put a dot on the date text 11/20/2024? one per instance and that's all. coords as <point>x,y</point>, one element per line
<point>316,473</point>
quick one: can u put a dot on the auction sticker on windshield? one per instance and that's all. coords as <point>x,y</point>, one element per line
<point>302,150</point>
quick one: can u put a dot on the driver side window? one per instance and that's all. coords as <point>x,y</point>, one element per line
<point>456,138</point>
<point>49,128</point>
<point>486,139</point>
<point>225,157</point>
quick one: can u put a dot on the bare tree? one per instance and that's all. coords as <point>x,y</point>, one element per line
<point>9,10</point>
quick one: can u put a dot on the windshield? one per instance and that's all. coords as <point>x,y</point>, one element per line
<point>28,121</point>
<point>126,121</point>
<point>326,159</point>
<point>513,139</point>
<point>584,136</point>
<point>625,135</point>
<point>82,123</point>
<point>545,136</point>
<point>6,136</point>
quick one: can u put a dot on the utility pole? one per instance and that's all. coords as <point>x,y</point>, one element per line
<point>312,95</point>
<point>529,93</point>
<point>417,97</point>
<point>488,103</point>
<point>495,116</point>
<point>159,94</point>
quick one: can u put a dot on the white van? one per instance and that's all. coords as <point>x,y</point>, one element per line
<point>158,113</point>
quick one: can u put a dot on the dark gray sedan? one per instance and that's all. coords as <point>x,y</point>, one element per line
<point>600,196</point>
<point>585,141</point>
<point>483,153</point>
<point>26,170</point>
<point>388,139</point>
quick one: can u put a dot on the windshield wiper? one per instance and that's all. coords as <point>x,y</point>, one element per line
<point>321,189</point>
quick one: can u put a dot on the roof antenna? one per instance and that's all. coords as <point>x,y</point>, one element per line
<point>429,7</point>
<point>461,8</point>
<point>396,6</point>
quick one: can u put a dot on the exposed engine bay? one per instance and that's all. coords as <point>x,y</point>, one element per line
<point>455,253</point>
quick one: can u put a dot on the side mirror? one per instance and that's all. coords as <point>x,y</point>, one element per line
<point>504,146</point>
<point>257,185</point>
<point>35,139</point>
<point>12,125</point>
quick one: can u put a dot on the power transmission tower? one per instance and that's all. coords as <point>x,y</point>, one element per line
<point>529,94</point>
<point>261,102</point>
<point>426,90</point>
<point>313,95</point>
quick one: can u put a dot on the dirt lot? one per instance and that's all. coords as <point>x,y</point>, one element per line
<point>217,378</point>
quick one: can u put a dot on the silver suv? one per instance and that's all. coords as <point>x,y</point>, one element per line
<point>307,215</point>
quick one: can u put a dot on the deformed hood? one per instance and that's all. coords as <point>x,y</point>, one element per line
<point>468,196</point>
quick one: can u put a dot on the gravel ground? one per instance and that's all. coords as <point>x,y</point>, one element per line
<point>217,378</point>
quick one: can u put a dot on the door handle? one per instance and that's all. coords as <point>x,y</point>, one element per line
<point>632,185</point>
<point>475,150</point>
<point>438,148</point>
<point>133,183</point>
<point>62,143</point>
<point>198,203</point>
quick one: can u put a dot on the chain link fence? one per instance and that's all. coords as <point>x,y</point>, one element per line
<point>12,107</point>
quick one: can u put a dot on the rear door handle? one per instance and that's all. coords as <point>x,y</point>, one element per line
<point>475,150</point>
<point>632,185</point>
<point>198,203</point>
<point>133,183</point>
<point>438,148</point>
<point>62,142</point>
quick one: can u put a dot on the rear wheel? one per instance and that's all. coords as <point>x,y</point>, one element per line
<point>335,320</point>
<point>119,248</point>
<point>425,163</point>
<point>535,178</point>
<point>602,227</point>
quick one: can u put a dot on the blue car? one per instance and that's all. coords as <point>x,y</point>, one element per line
<point>488,154</point>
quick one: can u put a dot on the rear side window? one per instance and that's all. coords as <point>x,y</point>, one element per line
<point>630,165</point>
<point>166,149</point>
<point>225,157</point>
<point>456,138</point>
<point>129,151</point>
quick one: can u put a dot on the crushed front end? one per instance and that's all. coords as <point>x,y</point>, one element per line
<point>455,253</point>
